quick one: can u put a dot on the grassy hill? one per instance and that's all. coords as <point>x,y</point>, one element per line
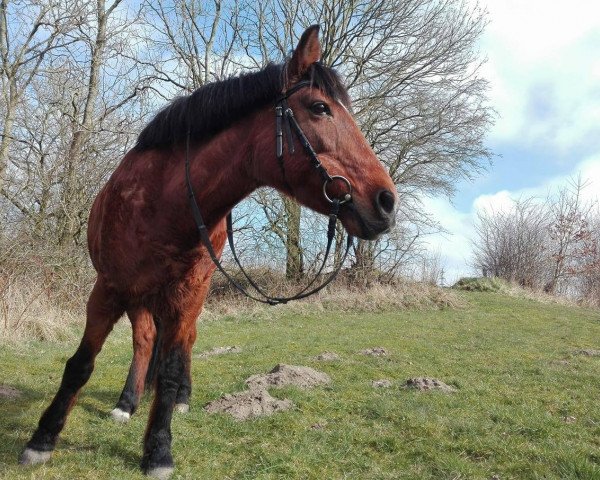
<point>526,406</point>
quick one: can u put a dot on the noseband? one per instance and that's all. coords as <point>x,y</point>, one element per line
<point>284,116</point>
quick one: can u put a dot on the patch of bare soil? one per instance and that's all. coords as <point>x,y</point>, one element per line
<point>424,384</point>
<point>587,352</point>
<point>11,393</point>
<point>283,375</point>
<point>256,401</point>
<point>327,357</point>
<point>248,404</point>
<point>375,352</point>
<point>381,383</point>
<point>219,351</point>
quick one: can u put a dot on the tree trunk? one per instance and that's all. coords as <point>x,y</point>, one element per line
<point>294,265</point>
<point>6,131</point>
<point>364,263</point>
<point>70,222</point>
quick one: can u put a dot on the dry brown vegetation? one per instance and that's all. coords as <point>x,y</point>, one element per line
<point>34,307</point>
<point>43,292</point>
<point>341,297</point>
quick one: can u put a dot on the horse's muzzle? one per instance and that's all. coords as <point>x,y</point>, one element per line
<point>363,224</point>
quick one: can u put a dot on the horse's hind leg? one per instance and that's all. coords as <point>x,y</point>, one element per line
<point>144,350</point>
<point>182,401</point>
<point>103,310</point>
<point>142,372</point>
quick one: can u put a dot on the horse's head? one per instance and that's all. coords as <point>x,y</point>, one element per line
<point>322,110</point>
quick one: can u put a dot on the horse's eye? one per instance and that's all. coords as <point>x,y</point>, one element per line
<point>320,108</point>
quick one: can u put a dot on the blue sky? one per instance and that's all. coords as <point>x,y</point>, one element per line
<point>544,72</point>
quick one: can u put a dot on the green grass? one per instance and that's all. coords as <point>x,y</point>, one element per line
<point>507,418</point>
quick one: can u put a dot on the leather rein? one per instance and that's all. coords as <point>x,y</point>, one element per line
<point>285,121</point>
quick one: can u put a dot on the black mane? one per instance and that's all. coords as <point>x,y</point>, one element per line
<point>215,106</point>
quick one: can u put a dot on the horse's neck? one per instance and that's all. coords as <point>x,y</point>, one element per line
<point>222,171</point>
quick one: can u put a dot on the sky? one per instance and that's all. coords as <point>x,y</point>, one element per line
<point>544,72</point>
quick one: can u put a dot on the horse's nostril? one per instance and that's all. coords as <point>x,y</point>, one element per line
<point>385,202</point>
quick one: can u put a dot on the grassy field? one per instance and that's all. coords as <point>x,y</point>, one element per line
<point>527,407</point>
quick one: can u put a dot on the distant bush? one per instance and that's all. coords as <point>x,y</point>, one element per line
<point>481,284</point>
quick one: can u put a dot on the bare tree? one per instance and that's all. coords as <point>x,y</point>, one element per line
<point>589,268</point>
<point>193,42</point>
<point>413,72</point>
<point>569,232</point>
<point>74,122</point>
<point>552,245</point>
<point>513,243</point>
<point>90,73</point>
<point>35,29</point>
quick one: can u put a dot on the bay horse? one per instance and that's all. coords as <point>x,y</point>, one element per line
<point>144,242</point>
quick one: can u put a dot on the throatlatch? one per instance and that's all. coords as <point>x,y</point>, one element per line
<point>284,118</point>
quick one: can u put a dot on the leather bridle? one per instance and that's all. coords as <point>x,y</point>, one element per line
<point>284,118</point>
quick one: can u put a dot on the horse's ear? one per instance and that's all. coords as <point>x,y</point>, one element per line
<point>307,52</point>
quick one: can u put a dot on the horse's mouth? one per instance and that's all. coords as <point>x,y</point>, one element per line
<point>364,226</point>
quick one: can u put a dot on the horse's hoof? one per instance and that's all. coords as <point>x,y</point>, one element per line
<point>120,416</point>
<point>33,457</point>
<point>162,473</point>
<point>182,408</point>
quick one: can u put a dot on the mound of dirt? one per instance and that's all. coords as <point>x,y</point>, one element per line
<point>327,357</point>
<point>248,404</point>
<point>219,351</point>
<point>256,401</point>
<point>11,393</point>
<point>424,384</point>
<point>587,352</point>
<point>375,352</point>
<point>381,383</point>
<point>283,375</point>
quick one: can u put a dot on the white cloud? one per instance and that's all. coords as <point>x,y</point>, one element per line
<point>544,70</point>
<point>536,29</point>
<point>588,169</point>
<point>494,202</point>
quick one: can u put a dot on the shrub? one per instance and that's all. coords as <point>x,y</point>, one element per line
<point>482,284</point>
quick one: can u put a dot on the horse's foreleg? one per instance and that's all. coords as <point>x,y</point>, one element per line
<point>173,372</point>
<point>103,310</point>
<point>157,460</point>
<point>144,338</point>
<point>173,381</point>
